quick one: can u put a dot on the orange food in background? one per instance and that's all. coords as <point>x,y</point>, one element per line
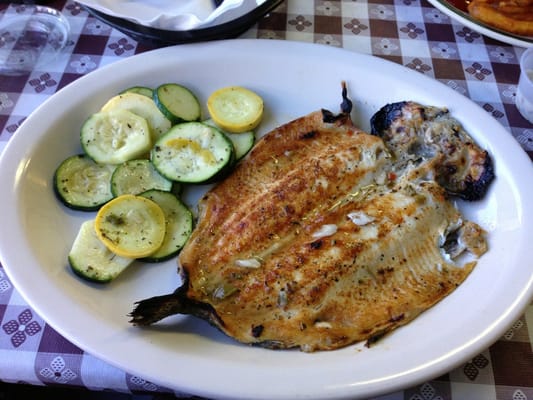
<point>514,16</point>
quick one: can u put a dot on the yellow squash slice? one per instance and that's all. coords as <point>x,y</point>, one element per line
<point>131,226</point>
<point>235,109</point>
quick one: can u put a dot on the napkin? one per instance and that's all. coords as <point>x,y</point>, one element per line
<point>177,15</point>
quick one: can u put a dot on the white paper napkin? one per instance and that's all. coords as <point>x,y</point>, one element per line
<point>178,15</point>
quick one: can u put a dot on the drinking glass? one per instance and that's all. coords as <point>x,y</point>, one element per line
<point>31,36</point>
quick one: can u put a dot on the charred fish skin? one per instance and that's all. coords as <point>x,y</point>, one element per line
<point>421,133</point>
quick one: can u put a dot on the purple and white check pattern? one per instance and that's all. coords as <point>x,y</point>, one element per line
<point>408,32</point>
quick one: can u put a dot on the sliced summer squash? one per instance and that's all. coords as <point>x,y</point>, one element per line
<point>139,212</point>
<point>179,223</point>
<point>142,106</point>
<point>242,142</point>
<point>145,91</point>
<point>114,137</point>
<point>137,176</point>
<point>90,259</point>
<point>82,184</point>
<point>235,109</point>
<point>177,103</point>
<point>131,226</point>
<point>192,152</point>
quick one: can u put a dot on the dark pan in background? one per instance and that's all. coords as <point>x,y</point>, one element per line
<point>163,37</point>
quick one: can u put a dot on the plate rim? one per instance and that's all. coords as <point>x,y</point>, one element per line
<point>395,383</point>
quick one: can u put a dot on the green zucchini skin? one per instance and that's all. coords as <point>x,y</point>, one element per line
<point>145,91</point>
<point>177,103</point>
<point>179,225</point>
<point>91,260</point>
<point>242,142</point>
<point>82,184</point>
<point>193,152</point>
<point>137,176</point>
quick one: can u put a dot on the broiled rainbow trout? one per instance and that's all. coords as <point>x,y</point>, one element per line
<point>333,241</point>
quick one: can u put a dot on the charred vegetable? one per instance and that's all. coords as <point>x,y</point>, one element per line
<point>418,134</point>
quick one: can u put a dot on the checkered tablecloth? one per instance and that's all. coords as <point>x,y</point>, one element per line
<point>408,32</point>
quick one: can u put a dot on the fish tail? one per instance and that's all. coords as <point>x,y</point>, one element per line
<point>149,311</point>
<point>346,105</point>
<point>154,309</point>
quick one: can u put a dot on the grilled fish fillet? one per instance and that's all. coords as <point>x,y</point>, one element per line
<point>318,240</point>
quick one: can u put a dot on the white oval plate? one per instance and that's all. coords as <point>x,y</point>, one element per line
<point>188,355</point>
<point>478,26</point>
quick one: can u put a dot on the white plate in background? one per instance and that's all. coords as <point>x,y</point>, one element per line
<point>464,18</point>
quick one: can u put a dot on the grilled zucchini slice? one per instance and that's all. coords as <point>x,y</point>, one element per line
<point>82,184</point>
<point>114,137</point>
<point>242,142</point>
<point>177,103</point>
<point>137,176</point>
<point>90,259</point>
<point>179,223</point>
<point>142,106</point>
<point>192,152</point>
<point>145,91</point>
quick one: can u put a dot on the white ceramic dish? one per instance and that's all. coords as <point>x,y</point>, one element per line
<point>189,355</point>
<point>464,18</point>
